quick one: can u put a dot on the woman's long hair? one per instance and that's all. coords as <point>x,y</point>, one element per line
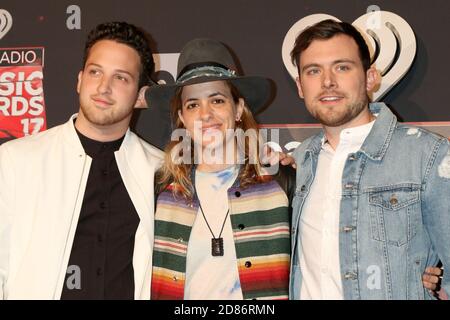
<point>179,175</point>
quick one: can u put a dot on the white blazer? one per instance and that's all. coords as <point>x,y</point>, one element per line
<point>42,184</point>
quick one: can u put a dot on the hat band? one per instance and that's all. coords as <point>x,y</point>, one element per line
<point>206,71</point>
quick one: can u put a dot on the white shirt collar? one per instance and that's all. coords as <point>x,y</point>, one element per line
<point>352,137</point>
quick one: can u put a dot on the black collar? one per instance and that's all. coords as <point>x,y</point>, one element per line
<point>95,148</point>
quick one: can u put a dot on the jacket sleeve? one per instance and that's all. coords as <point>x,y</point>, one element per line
<point>436,205</point>
<point>6,207</point>
<point>286,179</point>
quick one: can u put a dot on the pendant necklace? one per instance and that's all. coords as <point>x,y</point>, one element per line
<point>216,243</point>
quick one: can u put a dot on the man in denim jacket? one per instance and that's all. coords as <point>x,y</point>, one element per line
<point>371,208</point>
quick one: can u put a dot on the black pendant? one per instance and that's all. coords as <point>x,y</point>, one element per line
<point>217,247</point>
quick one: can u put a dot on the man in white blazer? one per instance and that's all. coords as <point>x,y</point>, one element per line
<point>76,201</point>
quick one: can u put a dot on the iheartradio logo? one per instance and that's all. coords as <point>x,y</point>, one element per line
<point>391,42</point>
<point>5,22</point>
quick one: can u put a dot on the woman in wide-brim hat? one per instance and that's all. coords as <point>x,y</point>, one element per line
<point>221,223</point>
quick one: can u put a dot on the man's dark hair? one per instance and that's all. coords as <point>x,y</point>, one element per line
<point>325,30</point>
<point>132,36</point>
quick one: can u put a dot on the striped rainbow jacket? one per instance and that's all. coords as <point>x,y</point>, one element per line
<point>260,221</point>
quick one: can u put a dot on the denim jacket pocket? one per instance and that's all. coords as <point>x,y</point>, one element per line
<point>394,211</point>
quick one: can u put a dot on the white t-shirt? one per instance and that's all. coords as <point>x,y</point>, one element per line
<point>207,276</point>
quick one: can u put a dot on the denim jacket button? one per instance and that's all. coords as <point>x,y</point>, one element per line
<point>393,201</point>
<point>352,158</point>
<point>348,228</point>
<point>303,188</point>
<point>350,276</point>
<point>348,186</point>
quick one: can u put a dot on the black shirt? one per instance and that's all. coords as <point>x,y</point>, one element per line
<point>102,251</point>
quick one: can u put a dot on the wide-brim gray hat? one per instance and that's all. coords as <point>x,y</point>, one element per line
<point>205,60</point>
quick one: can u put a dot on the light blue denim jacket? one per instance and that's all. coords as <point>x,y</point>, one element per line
<point>394,218</point>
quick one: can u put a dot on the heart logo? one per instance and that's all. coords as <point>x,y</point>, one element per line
<point>5,22</point>
<point>391,42</point>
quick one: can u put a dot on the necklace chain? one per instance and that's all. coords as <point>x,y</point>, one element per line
<point>204,217</point>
